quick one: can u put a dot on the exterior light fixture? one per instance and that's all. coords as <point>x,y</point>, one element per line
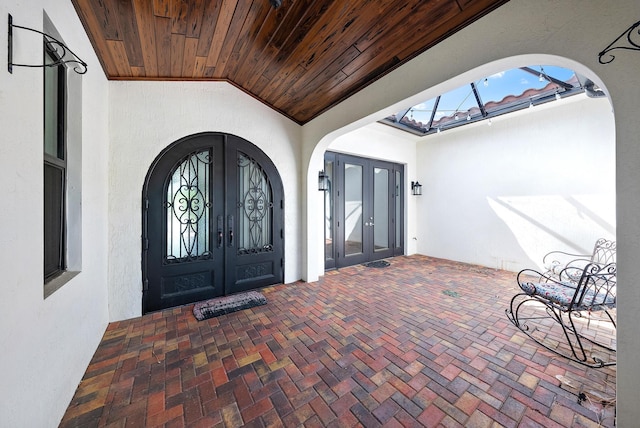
<point>468,116</point>
<point>416,188</point>
<point>323,181</point>
<point>456,117</point>
<point>558,97</point>
<point>542,76</point>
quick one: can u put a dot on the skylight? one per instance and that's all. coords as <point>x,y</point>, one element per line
<point>494,95</point>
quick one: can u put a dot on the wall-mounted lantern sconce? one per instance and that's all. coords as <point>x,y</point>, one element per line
<point>54,45</point>
<point>416,188</point>
<point>323,181</point>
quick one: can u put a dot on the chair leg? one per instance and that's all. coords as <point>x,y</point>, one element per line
<point>573,338</point>
<point>571,328</point>
<point>581,336</point>
<point>611,318</point>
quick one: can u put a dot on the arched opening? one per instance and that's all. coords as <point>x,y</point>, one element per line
<point>478,181</point>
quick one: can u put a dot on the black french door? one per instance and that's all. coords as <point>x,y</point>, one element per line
<point>212,221</point>
<point>363,218</point>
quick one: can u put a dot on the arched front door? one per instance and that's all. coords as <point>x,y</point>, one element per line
<point>212,221</point>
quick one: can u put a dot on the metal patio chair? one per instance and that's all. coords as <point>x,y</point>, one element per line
<point>569,313</point>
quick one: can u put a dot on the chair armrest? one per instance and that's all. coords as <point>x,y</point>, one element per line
<point>527,277</point>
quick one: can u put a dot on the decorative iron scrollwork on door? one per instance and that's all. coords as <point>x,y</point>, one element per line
<point>188,205</point>
<point>255,207</point>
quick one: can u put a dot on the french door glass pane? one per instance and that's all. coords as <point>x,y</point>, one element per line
<point>380,209</point>
<point>353,194</point>
<point>328,213</point>
<point>188,205</point>
<point>398,201</point>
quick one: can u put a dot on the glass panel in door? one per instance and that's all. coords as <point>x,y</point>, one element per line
<point>328,214</point>
<point>398,211</point>
<point>187,210</point>
<point>255,208</point>
<point>353,224</point>
<point>380,220</point>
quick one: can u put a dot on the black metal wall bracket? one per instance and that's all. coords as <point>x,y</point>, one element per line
<point>633,45</point>
<point>60,49</point>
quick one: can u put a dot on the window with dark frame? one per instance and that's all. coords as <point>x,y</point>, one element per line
<point>55,165</point>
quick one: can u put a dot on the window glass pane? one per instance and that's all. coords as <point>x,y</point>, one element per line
<point>53,220</point>
<point>419,115</point>
<point>53,114</point>
<point>497,89</point>
<point>456,106</point>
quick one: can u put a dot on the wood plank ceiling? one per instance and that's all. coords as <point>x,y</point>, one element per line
<point>300,58</point>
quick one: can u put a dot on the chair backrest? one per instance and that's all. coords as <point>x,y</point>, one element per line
<point>597,287</point>
<point>604,252</point>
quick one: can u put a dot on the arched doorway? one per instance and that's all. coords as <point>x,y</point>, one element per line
<point>212,221</point>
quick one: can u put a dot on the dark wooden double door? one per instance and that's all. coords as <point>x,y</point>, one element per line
<point>212,221</point>
<point>363,218</point>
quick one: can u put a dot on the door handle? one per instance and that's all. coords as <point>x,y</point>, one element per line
<point>220,232</point>
<point>230,225</point>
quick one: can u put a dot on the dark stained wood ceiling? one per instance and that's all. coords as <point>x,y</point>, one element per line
<point>301,58</point>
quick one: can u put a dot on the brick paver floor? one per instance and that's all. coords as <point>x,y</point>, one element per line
<point>423,342</point>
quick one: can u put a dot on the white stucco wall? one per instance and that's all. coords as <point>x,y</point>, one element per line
<point>47,343</point>
<point>537,180</point>
<point>570,33</point>
<point>146,117</point>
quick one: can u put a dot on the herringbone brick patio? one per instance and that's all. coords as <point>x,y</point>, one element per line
<point>423,342</point>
